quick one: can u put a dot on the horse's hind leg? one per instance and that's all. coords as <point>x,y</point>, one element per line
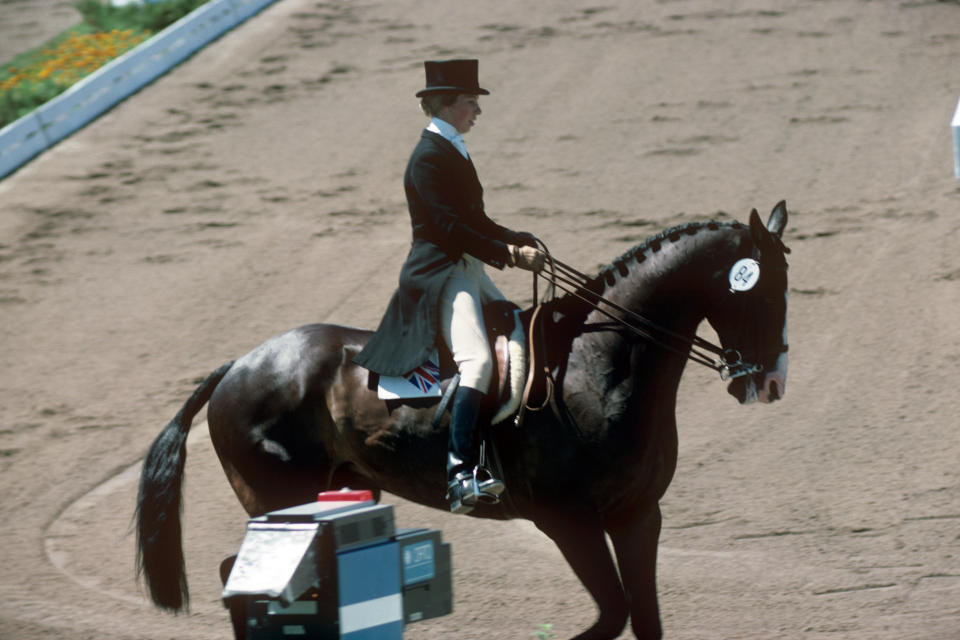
<point>265,467</point>
<point>272,465</point>
<point>635,540</point>
<point>583,544</point>
<point>271,489</point>
<point>237,614</point>
<point>344,475</point>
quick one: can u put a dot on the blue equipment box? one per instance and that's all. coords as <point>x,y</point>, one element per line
<point>338,571</point>
<point>427,574</point>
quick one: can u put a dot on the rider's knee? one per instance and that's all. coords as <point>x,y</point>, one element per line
<point>476,372</point>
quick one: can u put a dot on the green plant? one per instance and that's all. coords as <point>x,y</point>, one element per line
<point>544,632</point>
<point>32,79</point>
<point>39,75</point>
<point>145,16</point>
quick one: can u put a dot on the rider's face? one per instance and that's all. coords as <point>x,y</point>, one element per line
<point>463,113</point>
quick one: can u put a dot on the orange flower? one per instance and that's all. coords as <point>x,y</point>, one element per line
<point>74,57</point>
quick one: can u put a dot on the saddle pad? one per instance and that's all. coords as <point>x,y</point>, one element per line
<point>422,382</point>
<point>517,349</point>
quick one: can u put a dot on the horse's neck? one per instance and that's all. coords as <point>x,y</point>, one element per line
<point>665,287</point>
<point>644,362</point>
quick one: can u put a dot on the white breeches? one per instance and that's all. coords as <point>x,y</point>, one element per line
<point>461,321</point>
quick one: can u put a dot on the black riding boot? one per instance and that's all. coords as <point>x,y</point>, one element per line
<point>464,489</point>
<point>461,456</point>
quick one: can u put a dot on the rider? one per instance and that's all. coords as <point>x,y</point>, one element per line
<point>443,283</point>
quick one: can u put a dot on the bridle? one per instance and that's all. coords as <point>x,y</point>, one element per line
<point>728,362</point>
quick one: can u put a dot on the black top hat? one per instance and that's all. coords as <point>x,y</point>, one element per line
<point>456,76</point>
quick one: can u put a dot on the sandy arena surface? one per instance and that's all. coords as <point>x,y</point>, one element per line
<point>25,24</point>
<point>258,187</point>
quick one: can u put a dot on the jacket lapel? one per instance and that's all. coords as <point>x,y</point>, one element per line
<point>446,145</point>
<point>463,164</point>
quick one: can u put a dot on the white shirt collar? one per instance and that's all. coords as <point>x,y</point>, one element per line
<point>448,131</point>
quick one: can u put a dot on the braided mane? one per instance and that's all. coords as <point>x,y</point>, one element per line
<point>572,304</point>
<point>653,245</point>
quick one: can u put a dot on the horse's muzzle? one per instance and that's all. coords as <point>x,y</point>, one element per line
<point>766,386</point>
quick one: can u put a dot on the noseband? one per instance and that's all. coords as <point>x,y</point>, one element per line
<point>731,364</point>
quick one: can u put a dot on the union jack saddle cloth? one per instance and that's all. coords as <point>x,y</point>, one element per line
<point>425,385</point>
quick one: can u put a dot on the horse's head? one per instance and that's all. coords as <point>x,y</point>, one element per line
<point>751,317</point>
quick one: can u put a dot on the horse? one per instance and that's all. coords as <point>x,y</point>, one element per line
<point>296,416</point>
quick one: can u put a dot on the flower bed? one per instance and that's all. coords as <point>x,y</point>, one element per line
<point>119,78</point>
<point>53,70</point>
<point>35,77</point>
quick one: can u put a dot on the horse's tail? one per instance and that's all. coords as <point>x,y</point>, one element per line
<point>159,546</point>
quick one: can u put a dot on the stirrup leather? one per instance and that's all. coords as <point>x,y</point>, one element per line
<point>486,486</point>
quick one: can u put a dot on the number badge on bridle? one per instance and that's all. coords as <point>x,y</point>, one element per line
<point>744,274</point>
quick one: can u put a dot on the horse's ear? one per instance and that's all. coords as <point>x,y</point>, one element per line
<point>767,237</point>
<point>778,219</point>
<point>762,237</point>
<point>757,230</point>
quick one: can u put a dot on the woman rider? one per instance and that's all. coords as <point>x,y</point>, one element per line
<point>443,284</point>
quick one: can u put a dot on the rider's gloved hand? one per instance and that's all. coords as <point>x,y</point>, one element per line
<point>524,239</point>
<point>527,258</point>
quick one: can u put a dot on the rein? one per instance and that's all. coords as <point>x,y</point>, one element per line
<point>728,363</point>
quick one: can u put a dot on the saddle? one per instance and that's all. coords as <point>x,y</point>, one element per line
<point>428,384</point>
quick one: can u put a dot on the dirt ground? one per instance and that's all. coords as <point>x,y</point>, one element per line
<point>258,187</point>
<point>25,24</point>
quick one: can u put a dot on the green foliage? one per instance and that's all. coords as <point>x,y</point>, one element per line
<point>148,16</point>
<point>20,101</point>
<point>544,632</point>
<point>37,76</point>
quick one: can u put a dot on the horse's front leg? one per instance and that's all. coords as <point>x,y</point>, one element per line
<point>635,539</point>
<point>584,546</point>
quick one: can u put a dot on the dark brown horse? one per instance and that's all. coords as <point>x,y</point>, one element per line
<point>296,416</point>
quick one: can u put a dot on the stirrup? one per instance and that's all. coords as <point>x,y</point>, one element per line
<point>486,487</point>
<point>460,493</point>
